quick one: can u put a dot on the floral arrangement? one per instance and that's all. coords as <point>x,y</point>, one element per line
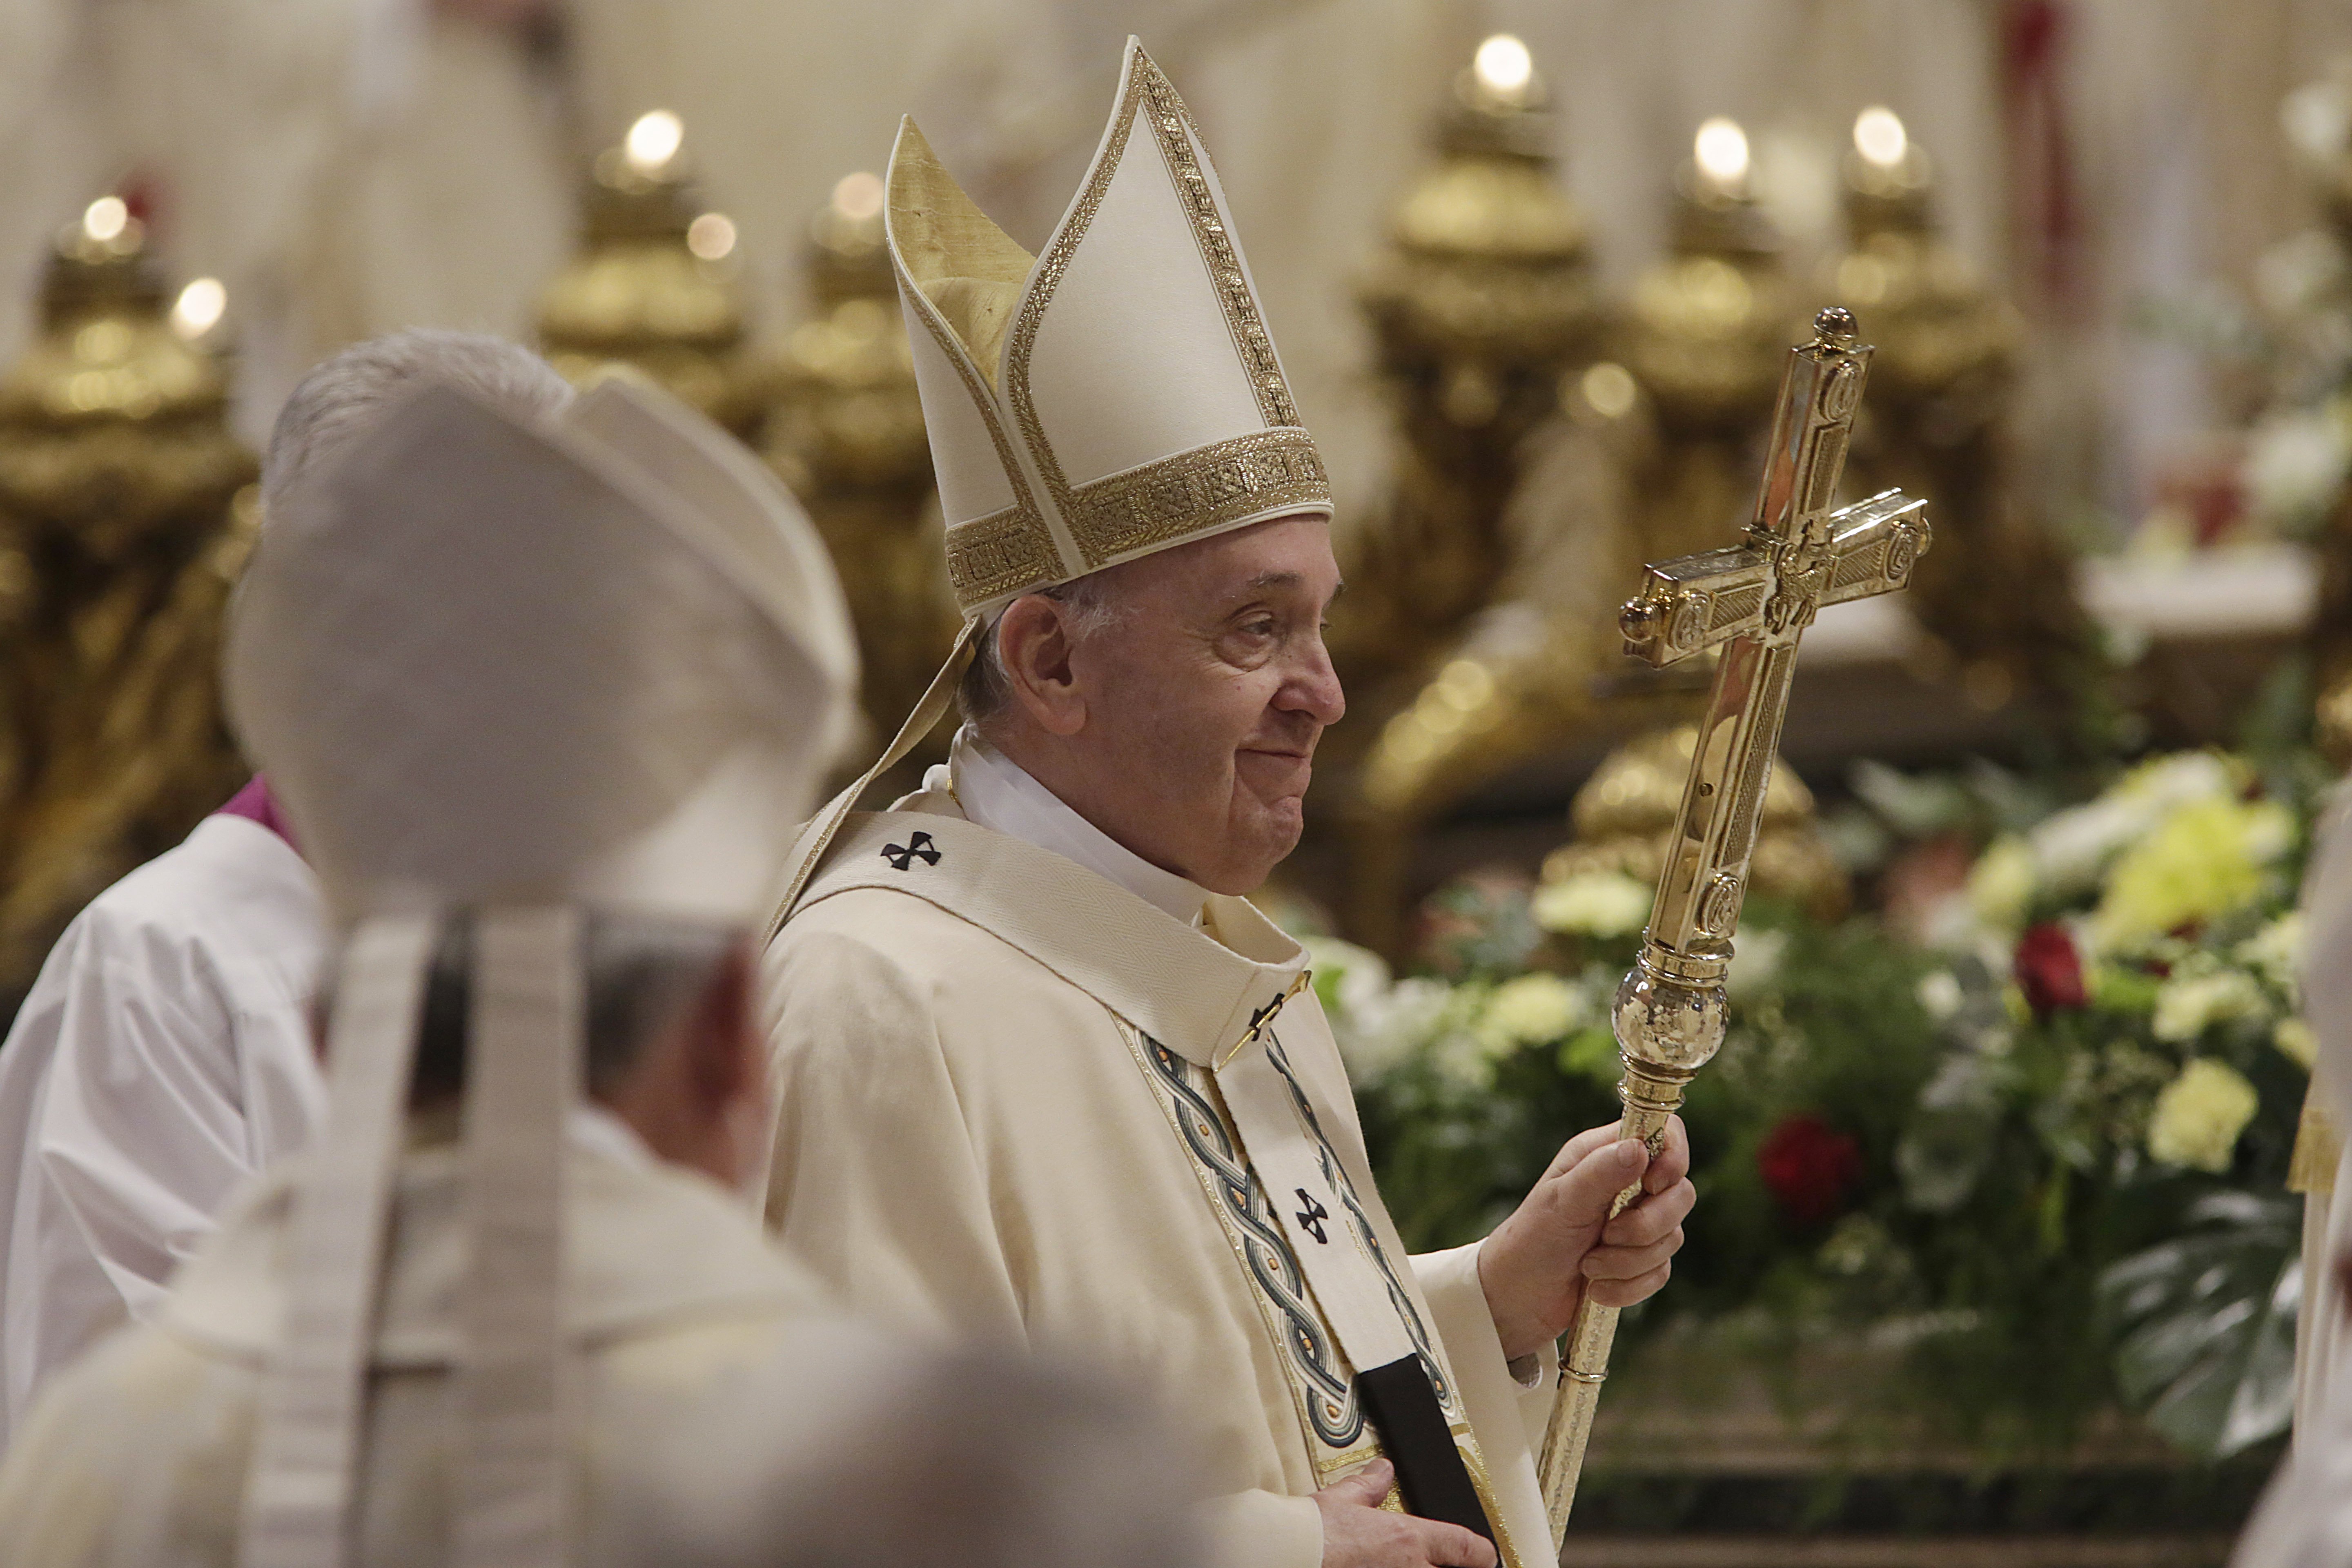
<point>2030,1123</point>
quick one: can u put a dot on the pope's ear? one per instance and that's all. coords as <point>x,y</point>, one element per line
<point>1033,641</point>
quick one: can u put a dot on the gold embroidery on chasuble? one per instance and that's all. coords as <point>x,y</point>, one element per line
<point>1368,1241</point>
<point>1322,1384</point>
<point>1322,1380</point>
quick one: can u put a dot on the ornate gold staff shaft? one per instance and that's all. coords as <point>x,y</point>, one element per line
<point>1754,602</point>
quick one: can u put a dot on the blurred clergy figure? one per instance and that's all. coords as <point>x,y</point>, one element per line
<point>2305,1519</point>
<point>164,1054</point>
<point>542,700</point>
<point>1046,1077</point>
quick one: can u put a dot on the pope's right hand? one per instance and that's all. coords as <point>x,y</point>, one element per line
<point>1360,1533</point>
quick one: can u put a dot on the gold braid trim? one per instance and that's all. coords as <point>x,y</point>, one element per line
<point>1196,493</point>
<point>1171,122</point>
<point>1051,266</point>
<point>1004,550</point>
<point>1004,553</point>
<point>2312,1167</point>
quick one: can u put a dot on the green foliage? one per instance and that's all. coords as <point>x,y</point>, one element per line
<point>2208,1323</point>
<point>2054,1212</point>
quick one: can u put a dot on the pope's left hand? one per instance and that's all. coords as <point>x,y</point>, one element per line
<point>1560,1242</point>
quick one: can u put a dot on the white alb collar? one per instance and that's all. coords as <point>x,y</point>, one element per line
<point>1000,794</point>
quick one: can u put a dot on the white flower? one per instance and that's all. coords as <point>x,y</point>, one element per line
<point>1756,958</point>
<point>1594,903</point>
<point>1940,993</point>
<point>2295,463</point>
<point>2002,883</point>
<point>2294,1037</point>
<point>2275,952</point>
<point>2199,1116</point>
<point>1529,1009</point>
<point>1347,977</point>
<point>1379,1034</point>
<point>2072,847</point>
<point>2190,1001</point>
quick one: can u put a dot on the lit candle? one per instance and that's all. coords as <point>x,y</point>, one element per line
<point>1720,152</point>
<point>1504,68</point>
<point>653,142</point>
<point>1879,136</point>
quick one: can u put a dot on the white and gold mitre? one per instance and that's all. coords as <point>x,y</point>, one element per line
<point>1116,396</point>
<point>605,660</point>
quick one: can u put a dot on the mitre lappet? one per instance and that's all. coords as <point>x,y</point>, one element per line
<point>524,674</point>
<point>1116,395</point>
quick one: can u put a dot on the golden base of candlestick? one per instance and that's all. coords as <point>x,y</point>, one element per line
<point>649,292</point>
<point>126,513</point>
<point>845,431</point>
<point>1625,812</point>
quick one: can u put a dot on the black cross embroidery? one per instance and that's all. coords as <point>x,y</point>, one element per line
<point>918,846</point>
<point>1311,1217</point>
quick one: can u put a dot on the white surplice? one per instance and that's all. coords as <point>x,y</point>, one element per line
<point>1011,1111</point>
<point>2305,1521</point>
<point>710,1372</point>
<point>162,1057</point>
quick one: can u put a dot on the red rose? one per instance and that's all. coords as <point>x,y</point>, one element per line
<point>1808,1167</point>
<point>2050,971</point>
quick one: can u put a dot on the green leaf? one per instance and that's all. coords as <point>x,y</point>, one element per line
<point>2208,1349</point>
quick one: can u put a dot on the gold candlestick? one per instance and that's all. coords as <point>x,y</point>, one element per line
<point>847,432</point>
<point>1753,602</point>
<point>126,511</point>
<point>653,286</point>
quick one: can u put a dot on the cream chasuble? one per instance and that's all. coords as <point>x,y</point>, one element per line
<point>712,1374</point>
<point>1013,1109</point>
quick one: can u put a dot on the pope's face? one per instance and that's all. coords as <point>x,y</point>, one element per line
<point>1203,706</point>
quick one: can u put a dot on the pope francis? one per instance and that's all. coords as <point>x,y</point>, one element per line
<point>1046,1076</point>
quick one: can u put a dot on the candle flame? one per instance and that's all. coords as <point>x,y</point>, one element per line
<point>1721,151</point>
<point>105,218</point>
<point>652,141</point>
<point>1504,66</point>
<point>1879,136</point>
<point>199,308</point>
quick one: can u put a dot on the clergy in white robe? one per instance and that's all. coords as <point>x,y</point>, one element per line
<point>709,1366</point>
<point>541,699</point>
<point>1045,1078</point>
<point>161,1058</point>
<point>2305,1519</point>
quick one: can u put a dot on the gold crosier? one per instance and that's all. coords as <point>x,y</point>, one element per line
<point>1753,602</point>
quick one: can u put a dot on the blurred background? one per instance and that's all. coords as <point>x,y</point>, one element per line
<point>2009,1161</point>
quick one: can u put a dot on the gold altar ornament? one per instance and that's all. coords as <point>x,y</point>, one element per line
<point>1624,817</point>
<point>1483,296</point>
<point>126,511</point>
<point>2000,604</point>
<point>1482,301</point>
<point>654,285</point>
<point>847,432</point>
<point>1702,341</point>
<point>1752,603</point>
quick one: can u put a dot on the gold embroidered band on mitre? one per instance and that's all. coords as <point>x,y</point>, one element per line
<point>1196,493</point>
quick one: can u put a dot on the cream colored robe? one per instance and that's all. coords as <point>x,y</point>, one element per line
<point>998,1121</point>
<point>711,1373</point>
